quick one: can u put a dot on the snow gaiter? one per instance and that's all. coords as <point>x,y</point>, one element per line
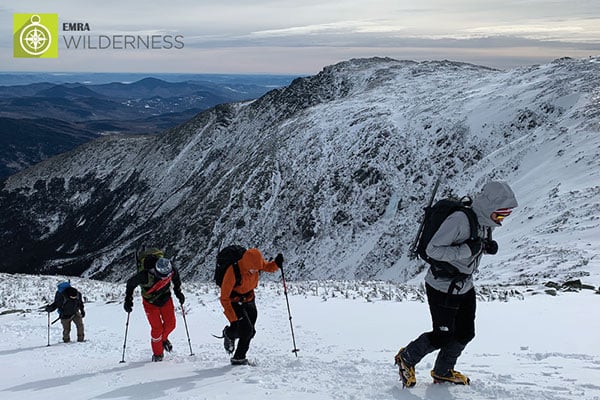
<point>417,349</point>
<point>446,359</point>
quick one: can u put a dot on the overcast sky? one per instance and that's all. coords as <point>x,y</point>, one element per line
<point>303,36</point>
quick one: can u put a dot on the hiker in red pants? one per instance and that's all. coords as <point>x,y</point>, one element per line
<point>155,282</point>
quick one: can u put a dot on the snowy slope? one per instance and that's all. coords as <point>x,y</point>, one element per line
<point>528,346</point>
<point>333,171</point>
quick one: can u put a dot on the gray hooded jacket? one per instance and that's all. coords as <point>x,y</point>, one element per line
<point>448,243</point>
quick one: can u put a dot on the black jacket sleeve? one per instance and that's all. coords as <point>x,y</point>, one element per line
<point>81,306</point>
<point>135,281</point>
<point>176,281</point>
<point>58,300</point>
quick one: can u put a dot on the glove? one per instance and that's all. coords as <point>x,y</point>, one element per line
<point>279,260</point>
<point>490,246</point>
<point>475,245</point>
<point>48,308</point>
<point>82,313</point>
<point>228,341</point>
<point>234,328</point>
<point>128,305</point>
<point>180,297</point>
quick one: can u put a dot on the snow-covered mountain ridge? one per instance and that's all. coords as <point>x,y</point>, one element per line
<point>333,171</point>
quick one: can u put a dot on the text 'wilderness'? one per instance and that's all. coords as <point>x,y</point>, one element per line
<point>124,42</point>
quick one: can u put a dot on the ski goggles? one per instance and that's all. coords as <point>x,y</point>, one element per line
<point>502,213</point>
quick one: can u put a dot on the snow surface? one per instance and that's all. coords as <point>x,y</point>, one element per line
<point>529,345</point>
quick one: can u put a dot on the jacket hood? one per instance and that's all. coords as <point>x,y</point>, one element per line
<point>252,259</point>
<point>493,196</point>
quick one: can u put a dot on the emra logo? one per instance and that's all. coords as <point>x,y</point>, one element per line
<point>35,35</point>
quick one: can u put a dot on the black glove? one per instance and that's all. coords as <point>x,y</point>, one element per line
<point>82,313</point>
<point>476,245</point>
<point>228,341</point>
<point>279,260</point>
<point>180,297</point>
<point>234,328</point>
<point>48,308</point>
<point>128,305</point>
<point>490,246</point>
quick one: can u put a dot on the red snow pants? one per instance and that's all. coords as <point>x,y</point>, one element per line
<point>162,323</point>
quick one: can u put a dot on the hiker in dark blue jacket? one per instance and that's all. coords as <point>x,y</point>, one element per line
<point>69,303</point>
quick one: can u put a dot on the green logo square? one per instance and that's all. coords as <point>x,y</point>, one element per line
<point>35,35</point>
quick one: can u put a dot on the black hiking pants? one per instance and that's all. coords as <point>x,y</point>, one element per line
<point>245,329</point>
<point>453,320</point>
<point>452,317</point>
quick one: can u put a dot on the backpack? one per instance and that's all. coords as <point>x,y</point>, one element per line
<point>62,286</point>
<point>150,255</point>
<point>69,306</point>
<point>434,217</point>
<point>60,294</point>
<point>229,256</point>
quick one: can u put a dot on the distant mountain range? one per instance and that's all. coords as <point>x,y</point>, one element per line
<point>33,116</point>
<point>333,171</point>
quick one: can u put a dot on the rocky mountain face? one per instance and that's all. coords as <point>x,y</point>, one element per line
<point>333,171</point>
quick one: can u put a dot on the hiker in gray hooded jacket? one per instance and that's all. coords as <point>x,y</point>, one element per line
<point>452,298</point>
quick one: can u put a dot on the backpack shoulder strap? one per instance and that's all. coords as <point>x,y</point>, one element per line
<point>473,222</point>
<point>64,299</point>
<point>237,273</point>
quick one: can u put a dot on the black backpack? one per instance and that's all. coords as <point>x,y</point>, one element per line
<point>146,258</point>
<point>69,305</point>
<point>229,256</point>
<point>434,217</point>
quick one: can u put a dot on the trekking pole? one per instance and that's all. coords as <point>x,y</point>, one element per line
<point>186,329</point>
<point>48,329</point>
<point>295,350</point>
<point>412,250</point>
<point>125,341</point>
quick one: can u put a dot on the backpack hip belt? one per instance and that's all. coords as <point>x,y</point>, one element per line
<point>240,296</point>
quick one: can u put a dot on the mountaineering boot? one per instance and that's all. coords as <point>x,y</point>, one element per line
<point>167,345</point>
<point>451,376</point>
<point>228,343</point>
<point>407,372</point>
<point>239,361</point>
<point>157,357</point>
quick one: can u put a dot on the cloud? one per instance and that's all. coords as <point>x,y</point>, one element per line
<point>340,27</point>
<point>349,36</point>
<point>294,34</point>
<point>587,30</point>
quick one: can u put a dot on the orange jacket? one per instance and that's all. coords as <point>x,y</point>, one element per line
<point>250,264</point>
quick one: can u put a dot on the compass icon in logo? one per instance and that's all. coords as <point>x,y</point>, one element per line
<point>35,38</point>
<point>35,35</point>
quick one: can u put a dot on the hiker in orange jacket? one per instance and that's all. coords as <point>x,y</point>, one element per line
<point>238,302</point>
